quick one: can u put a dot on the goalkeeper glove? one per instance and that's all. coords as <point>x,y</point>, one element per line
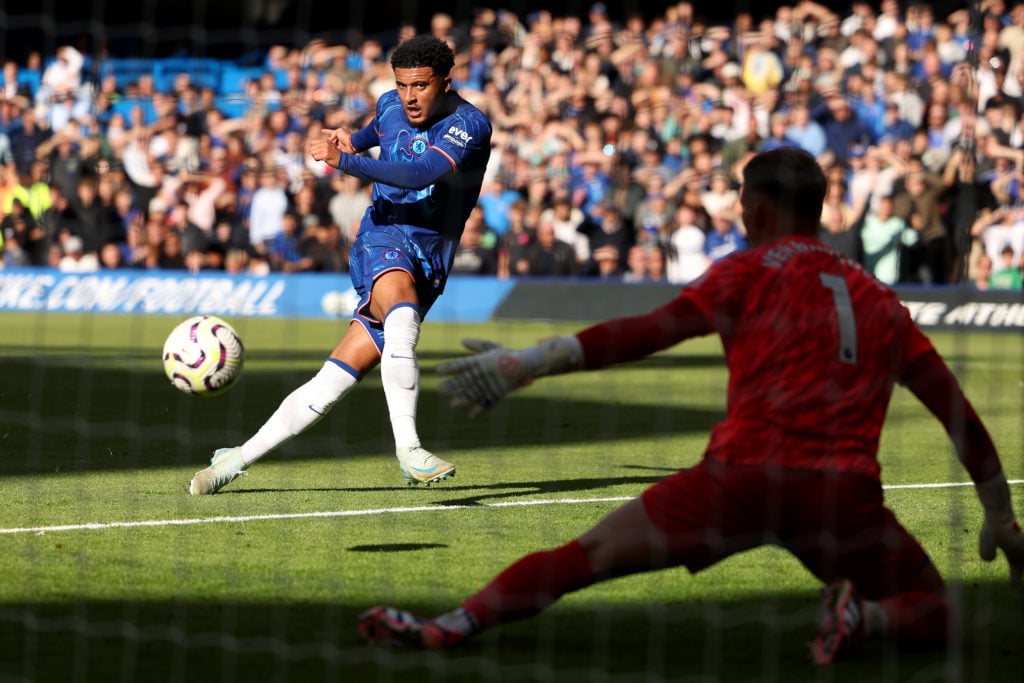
<point>1000,529</point>
<point>479,381</point>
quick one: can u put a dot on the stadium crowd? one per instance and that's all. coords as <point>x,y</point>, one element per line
<point>618,144</point>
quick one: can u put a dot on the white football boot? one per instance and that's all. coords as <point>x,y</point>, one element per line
<point>420,466</point>
<point>225,466</point>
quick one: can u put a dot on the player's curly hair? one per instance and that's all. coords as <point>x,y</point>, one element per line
<point>424,50</point>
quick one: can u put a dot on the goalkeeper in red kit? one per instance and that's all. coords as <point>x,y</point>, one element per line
<point>814,346</point>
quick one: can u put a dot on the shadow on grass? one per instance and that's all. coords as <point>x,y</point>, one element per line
<point>758,638</point>
<point>61,415</point>
<point>481,492</point>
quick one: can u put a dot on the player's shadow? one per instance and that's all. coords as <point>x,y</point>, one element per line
<point>480,494</point>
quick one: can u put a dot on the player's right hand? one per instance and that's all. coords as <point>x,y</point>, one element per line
<point>1002,532</point>
<point>323,150</point>
<point>479,381</point>
<point>340,138</point>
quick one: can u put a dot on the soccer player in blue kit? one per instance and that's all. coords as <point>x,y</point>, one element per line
<point>434,149</point>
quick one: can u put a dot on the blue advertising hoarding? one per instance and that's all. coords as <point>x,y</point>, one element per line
<point>466,299</point>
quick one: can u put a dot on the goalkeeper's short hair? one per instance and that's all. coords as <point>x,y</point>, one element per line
<point>424,50</point>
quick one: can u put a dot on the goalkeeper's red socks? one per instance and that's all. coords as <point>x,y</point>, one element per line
<point>529,585</point>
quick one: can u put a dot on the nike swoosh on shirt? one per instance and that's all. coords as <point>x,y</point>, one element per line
<point>403,357</point>
<point>310,406</point>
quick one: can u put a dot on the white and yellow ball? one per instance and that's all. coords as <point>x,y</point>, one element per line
<point>203,356</point>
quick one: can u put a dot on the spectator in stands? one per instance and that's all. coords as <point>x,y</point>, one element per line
<point>918,202</point>
<point>982,273</point>
<point>606,228</point>
<point>111,256</point>
<point>720,195</point>
<point>606,263</point>
<point>522,221</point>
<point>283,250</point>
<point>171,255</point>
<point>725,237</point>
<point>13,87</point>
<point>236,261</point>
<point>636,265</point>
<point>736,150</point>
<point>884,238</point>
<point>967,199</point>
<point>24,239</point>
<point>269,204</point>
<point>31,190</point>
<point>840,229</point>
<point>804,131</point>
<point>26,139</point>
<point>350,198</point>
<point>472,257</point>
<point>62,75</point>
<point>496,200</point>
<point>327,249</point>
<point>545,254</point>
<point>843,130</point>
<point>569,223</point>
<point>1006,272</point>
<point>75,259</point>
<point>686,258</point>
<point>87,217</point>
<point>893,125</point>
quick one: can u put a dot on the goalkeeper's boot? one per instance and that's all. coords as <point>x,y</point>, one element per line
<point>390,626</point>
<point>420,466</point>
<point>842,632</point>
<point>225,466</point>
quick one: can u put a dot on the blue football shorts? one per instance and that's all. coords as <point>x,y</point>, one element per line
<point>379,249</point>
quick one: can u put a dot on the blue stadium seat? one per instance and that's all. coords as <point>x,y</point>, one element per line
<point>30,77</point>
<point>234,78</point>
<point>203,72</point>
<point>127,70</point>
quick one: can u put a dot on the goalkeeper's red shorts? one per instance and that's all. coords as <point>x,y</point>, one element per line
<point>836,524</point>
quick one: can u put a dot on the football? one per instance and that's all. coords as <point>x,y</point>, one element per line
<point>203,356</point>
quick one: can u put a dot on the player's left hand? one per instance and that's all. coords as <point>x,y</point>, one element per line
<point>1000,531</point>
<point>1004,534</point>
<point>479,381</point>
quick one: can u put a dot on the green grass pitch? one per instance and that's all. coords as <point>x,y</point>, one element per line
<point>112,572</point>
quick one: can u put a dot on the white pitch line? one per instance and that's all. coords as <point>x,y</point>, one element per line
<point>97,526</point>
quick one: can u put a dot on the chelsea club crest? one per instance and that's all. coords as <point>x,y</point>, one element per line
<point>418,145</point>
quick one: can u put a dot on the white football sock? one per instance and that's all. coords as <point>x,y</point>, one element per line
<point>301,409</point>
<point>399,372</point>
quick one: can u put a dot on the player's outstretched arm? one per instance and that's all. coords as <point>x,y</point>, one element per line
<point>479,381</point>
<point>930,379</point>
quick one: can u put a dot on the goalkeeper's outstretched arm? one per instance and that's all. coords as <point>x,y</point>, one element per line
<point>930,379</point>
<point>479,381</point>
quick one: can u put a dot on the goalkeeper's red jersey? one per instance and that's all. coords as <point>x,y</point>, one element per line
<point>814,346</point>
